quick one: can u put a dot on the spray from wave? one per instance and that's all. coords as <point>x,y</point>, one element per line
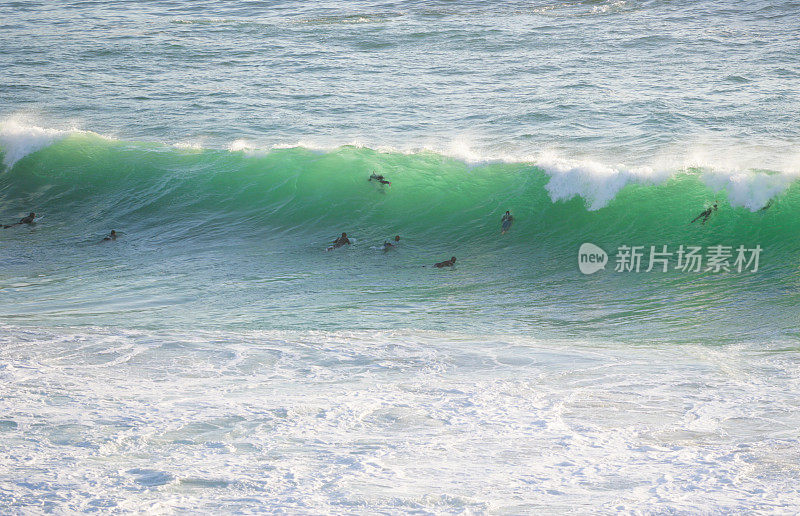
<point>733,174</point>
<point>18,140</point>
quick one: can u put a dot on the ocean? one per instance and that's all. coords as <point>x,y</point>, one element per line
<point>605,355</point>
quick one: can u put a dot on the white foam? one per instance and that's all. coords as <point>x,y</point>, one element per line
<point>612,6</point>
<point>389,421</point>
<point>724,166</point>
<point>18,139</point>
<point>190,144</point>
<point>748,189</point>
<point>595,182</point>
<point>750,174</point>
<point>241,144</point>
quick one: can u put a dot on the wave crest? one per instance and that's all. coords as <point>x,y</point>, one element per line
<point>594,181</point>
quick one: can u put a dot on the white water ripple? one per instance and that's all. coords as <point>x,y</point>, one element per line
<point>315,422</point>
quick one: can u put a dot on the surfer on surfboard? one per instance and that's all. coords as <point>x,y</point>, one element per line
<point>505,222</point>
<point>24,220</point>
<point>339,242</point>
<point>446,263</point>
<point>705,214</point>
<point>388,245</point>
<point>379,178</point>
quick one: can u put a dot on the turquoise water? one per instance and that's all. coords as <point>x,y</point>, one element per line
<point>216,358</point>
<point>236,240</point>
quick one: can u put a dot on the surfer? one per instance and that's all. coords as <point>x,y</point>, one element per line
<point>24,220</point>
<point>446,263</point>
<point>111,236</point>
<point>766,206</point>
<point>505,222</point>
<point>339,242</point>
<point>388,245</point>
<point>705,214</point>
<point>379,178</point>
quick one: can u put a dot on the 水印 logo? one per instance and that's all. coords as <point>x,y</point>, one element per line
<point>591,258</point>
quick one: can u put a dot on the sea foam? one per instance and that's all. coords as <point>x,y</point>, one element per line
<point>17,140</point>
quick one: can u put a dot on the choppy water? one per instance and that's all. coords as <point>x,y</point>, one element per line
<point>216,358</point>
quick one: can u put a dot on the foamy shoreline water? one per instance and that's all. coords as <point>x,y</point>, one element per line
<point>391,421</point>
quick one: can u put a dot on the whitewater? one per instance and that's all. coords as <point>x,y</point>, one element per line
<point>216,359</point>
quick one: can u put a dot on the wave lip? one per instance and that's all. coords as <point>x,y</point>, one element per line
<point>595,182</point>
<point>17,140</point>
<point>748,179</point>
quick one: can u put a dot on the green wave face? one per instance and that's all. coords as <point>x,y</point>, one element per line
<point>270,214</point>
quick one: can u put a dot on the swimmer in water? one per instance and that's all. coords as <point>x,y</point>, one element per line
<point>379,178</point>
<point>505,222</point>
<point>705,214</point>
<point>24,220</point>
<point>388,245</point>
<point>111,236</point>
<point>339,242</point>
<point>446,263</point>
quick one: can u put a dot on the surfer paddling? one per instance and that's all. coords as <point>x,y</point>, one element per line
<point>24,220</point>
<point>705,214</point>
<point>379,178</point>
<point>446,263</point>
<point>388,245</point>
<point>505,222</point>
<point>339,242</point>
<point>111,236</point>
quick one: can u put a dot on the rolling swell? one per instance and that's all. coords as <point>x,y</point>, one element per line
<point>90,183</point>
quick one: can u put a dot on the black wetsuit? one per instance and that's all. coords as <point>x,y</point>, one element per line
<point>705,214</point>
<point>339,242</point>
<point>380,179</point>
<point>505,223</point>
<point>24,220</point>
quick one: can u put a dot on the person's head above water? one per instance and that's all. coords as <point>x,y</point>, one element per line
<point>113,232</point>
<point>344,235</point>
<point>453,259</point>
<point>397,238</point>
<point>28,220</point>
<point>508,212</point>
